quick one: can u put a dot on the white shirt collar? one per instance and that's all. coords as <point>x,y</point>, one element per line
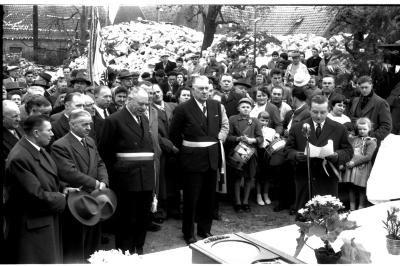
<point>100,111</point>
<point>162,105</point>
<point>322,124</point>
<point>34,145</point>
<point>76,136</point>
<point>201,104</point>
<point>134,116</point>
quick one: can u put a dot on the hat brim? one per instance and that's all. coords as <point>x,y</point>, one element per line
<point>79,79</point>
<point>72,198</point>
<point>110,205</point>
<point>243,84</point>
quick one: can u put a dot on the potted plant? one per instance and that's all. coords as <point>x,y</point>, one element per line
<point>324,217</point>
<point>392,226</point>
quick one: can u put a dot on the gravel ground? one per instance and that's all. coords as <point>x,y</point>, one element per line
<point>259,219</point>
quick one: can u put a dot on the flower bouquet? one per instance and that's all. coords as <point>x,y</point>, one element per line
<point>324,217</point>
<point>114,257</point>
<point>392,226</point>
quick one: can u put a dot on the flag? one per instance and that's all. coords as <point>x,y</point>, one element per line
<point>97,65</point>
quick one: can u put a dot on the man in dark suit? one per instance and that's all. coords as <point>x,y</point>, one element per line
<point>11,128</point>
<point>102,99</point>
<point>170,87</point>
<point>168,185</point>
<point>165,64</point>
<point>281,168</point>
<point>194,128</point>
<point>374,107</point>
<point>35,201</point>
<point>60,126</point>
<point>97,127</point>
<point>80,166</point>
<point>127,149</point>
<point>324,180</point>
<point>328,87</point>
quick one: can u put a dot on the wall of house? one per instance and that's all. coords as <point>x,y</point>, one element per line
<point>51,52</point>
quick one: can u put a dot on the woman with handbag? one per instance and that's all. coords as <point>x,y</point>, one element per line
<point>244,137</point>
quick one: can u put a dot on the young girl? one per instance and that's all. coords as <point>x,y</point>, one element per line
<point>262,182</point>
<point>244,128</point>
<point>359,168</point>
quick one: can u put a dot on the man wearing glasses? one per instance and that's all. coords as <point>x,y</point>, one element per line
<point>195,129</point>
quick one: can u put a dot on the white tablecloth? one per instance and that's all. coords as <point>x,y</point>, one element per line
<point>370,233</point>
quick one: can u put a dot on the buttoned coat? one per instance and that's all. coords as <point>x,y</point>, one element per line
<point>9,140</point>
<point>189,123</point>
<point>324,182</point>
<point>35,205</point>
<point>122,134</point>
<point>378,111</point>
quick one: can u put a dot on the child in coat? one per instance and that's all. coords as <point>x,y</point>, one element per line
<point>243,128</point>
<point>359,167</point>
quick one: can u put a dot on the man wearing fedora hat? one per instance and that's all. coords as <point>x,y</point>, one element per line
<point>238,91</point>
<point>14,72</point>
<point>128,79</point>
<point>165,64</point>
<point>80,166</point>
<point>81,81</point>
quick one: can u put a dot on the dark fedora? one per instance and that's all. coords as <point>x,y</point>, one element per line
<point>107,201</point>
<point>84,207</point>
<point>41,83</point>
<point>10,86</point>
<point>125,73</point>
<point>242,82</point>
<point>45,76</point>
<point>81,76</point>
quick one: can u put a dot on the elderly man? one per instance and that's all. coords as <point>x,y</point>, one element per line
<point>127,149</point>
<point>36,201</point>
<point>323,175</point>
<point>195,130</point>
<point>102,99</point>
<point>60,125</point>
<point>128,79</point>
<point>374,107</point>
<point>165,64</point>
<point>11,129</point>
<point>80,166</point>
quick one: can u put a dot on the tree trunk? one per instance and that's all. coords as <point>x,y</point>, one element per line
<point>83,30</point>
<point>35,26</point>
<point>210,25</point>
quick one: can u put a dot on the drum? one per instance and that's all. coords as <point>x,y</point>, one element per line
<point>275,145</point>
<point>240,155</point>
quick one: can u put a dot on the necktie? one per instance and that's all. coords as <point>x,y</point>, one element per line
<point>84,143</point>
<point>318,130</point>
<point>105,113</point>
<point>15,133</point>
<point>139,120</point>
<point>205,110</point>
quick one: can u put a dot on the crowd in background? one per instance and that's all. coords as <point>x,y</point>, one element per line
<point>259,109</point>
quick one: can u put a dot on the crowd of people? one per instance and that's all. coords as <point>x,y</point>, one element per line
<point>181,137</point>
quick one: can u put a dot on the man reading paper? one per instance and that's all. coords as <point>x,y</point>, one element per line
<point>322,129</point>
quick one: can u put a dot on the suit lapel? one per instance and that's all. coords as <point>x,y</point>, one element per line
<point>47,163</point>
<point>131,122</point>
<point>92,155</point>
<point>325,133</point>
<point>354,105</point>
<point>78,147</point>
<point>198,114</point>
<point>369,106</point>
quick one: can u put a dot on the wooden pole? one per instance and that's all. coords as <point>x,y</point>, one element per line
<point>35,27</point>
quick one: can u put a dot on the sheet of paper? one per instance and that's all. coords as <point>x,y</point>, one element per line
<point>320,152</point>
<point>268,134</point>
